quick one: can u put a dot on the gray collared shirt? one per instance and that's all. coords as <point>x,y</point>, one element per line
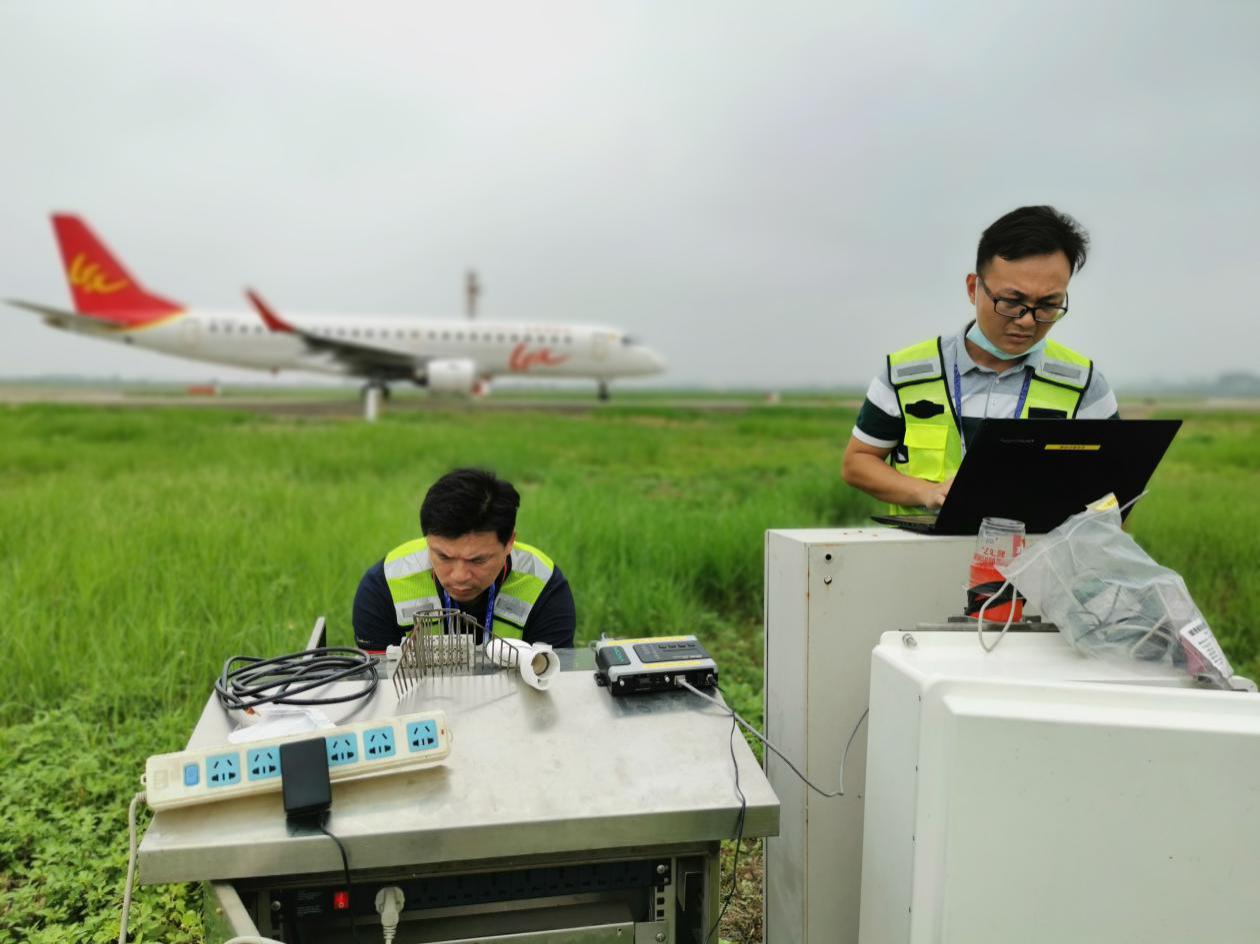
<point>985,394</point>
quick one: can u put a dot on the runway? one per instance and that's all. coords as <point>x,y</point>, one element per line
<point>347,404</point>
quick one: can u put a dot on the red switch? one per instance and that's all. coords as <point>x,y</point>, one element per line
<point>341,901</point>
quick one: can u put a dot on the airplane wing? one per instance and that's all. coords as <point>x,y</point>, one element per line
<point>366,360</point>
<point>70,320</point>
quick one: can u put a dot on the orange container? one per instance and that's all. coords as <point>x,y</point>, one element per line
<point>998,541</point>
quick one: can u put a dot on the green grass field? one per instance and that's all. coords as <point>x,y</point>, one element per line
<point>140,548</point>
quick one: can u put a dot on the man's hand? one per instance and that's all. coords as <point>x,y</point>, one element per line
<point>934,492</point>
<point>865,468</point>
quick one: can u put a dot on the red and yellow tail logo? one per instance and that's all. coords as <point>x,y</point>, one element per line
<point>87,276</point>
<point>101,287</point>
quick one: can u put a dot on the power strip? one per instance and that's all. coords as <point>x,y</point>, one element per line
<point>363,749</point>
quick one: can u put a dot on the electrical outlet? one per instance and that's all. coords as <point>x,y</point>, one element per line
<point>262,763</point>
<point>378,743</point>
<point>422,736</point>
<point>342,749</point>
<point>223,770</point>
<point>363,749</point>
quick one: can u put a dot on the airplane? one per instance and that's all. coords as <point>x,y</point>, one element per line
<point>451,356</point>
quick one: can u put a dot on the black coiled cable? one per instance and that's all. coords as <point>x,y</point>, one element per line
<point>247,681</point>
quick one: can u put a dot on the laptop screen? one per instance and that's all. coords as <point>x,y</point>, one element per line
<point>1042,471</point>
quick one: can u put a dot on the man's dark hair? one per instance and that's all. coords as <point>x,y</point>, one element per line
<point>1034,231</point>
<point>466,500</point>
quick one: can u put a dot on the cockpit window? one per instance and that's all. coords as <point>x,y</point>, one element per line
<point>628,341</point>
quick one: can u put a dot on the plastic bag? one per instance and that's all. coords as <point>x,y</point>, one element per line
<point>1111,600</point>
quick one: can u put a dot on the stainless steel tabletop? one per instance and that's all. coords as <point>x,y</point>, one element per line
<point>530,773</point>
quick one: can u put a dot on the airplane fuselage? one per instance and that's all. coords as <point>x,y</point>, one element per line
<point>240,339</point>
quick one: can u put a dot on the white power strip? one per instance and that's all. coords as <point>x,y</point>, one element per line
<point>363,749</point>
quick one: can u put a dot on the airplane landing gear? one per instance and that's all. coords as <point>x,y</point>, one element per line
<point>603,390</point>
<point>374,391</point>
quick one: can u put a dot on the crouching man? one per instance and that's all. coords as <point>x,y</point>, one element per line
<point>468,559</point>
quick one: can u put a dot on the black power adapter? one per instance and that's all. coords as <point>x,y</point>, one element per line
<point>304,780</point>
<point>308,796</point>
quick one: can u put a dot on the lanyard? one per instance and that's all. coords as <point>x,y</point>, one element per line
<point>958,401</point>
<point>489,624</point>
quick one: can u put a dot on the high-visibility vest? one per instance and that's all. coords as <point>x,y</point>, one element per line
<point>932,443</point>
<point>409,575</point>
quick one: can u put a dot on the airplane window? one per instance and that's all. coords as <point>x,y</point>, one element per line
<point>459,335</point>
<point>367,332</point>
<point>627,340</point>
<point>214,326</point>
<point>555,339</point>
<point>568,339</point>
<point>515,338</point>
<point>432,335</point>
<point>354,332</point>
<point>415,333</point>
<point>446,335</point>
<point>501,337</point>
<point>528,338</point>
<point>341,332</point>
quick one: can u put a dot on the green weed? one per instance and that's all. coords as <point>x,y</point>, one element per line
<point>139,549</point>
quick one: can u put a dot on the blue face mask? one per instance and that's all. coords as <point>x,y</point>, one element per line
<point>976,336</point>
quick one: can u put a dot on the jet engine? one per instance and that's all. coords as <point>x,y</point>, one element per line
<point>454,376</point>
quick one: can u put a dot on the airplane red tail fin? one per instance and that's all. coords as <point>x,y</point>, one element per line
<point>101,287</point>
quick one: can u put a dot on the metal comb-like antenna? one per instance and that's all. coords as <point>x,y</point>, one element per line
<point>445,642</point>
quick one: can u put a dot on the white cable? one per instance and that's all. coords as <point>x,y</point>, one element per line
<point>131,881</point>
<point>131,865</point>
<point>1009,616</point>
<point>758,735</point>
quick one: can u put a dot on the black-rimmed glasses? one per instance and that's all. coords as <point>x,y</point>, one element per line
<point>1013,308</point>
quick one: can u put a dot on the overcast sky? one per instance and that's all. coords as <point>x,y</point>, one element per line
<point>765,193</point>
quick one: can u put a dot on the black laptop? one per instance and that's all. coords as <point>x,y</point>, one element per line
<point>1042,472</point>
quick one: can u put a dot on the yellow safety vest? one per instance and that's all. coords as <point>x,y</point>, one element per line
<point>933,445</point>
<point>409,575</point>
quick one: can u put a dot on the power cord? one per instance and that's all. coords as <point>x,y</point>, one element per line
<point>739,837</point>
<point>760,737</point>
<point>345,864</point>
<point>131,865</point>
<point>389,903</point>
<point>743,801</point>
<point>131,882</point>
<point>247,681</point>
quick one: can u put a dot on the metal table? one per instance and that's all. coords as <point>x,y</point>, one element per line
<point>564,815</point>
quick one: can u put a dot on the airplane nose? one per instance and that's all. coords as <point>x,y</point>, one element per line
<point>651,360</point>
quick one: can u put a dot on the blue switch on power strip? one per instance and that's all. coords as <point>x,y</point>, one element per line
<point>192,775</point>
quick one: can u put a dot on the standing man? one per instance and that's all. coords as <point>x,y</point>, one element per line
<point>469,559</point>
<point>919,412</point>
